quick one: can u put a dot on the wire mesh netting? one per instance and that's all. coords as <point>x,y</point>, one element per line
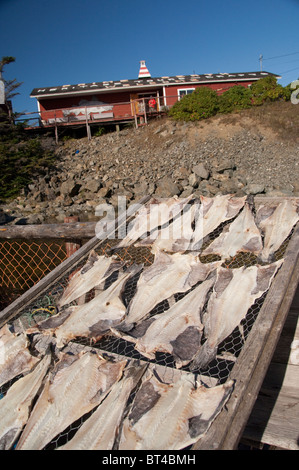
<point>23,263</point>
<point>218,370</point>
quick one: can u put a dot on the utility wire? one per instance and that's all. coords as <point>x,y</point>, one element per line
<point>279,56</point>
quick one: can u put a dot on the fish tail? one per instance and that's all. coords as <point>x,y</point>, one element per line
<point>204,356</point>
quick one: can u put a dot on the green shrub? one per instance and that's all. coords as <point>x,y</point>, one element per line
<point>267,89</point>
<point>235,98</point>
<point>201,104</point>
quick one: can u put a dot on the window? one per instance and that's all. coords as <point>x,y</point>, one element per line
<point>184,91</point>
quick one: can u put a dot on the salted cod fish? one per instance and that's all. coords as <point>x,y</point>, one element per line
<point>171,416</point>
<point>276,223</point>
<point>94,272</point>
<point>100,430</point>
<point>73,389</point>
<point>235,290</point>
<point>15,406</point>
<point>151,216</point>
<point>211,213</point>
<point>169,274</point>
<point>92,319</point>
<point>242,235</point>
<point>15,358</point>
<point>176,236</point>
<point>177,331</point>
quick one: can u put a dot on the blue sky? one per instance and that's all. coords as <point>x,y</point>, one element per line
<point>57,42</point>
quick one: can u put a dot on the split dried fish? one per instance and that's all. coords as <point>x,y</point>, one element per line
<point>169,274</point>
<point>171,416</point>
<point>76,386</point>
<point>92,319</point>
<point>235,290</point>
<point>276,223</point>
<point>211,213</point>
<point>16,405</point>
<point>242,235</point>
<point>177,331</point>
<point>100,430</point>
<point>176,236</point>
<point>151,216</point>
<point>15,358</point>
<point>94,272</point>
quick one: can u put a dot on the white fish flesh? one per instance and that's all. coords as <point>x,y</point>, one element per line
<point>169,274</point>
<point>211,213</point>
<point>16,405</point>
<point>71,391</point>
<point>276,223</point>
<point>92,319</point>
<point>176,236</point>
<point>242,235</point>
<point>94,272</point>
<point>151,216</point>
<point>171,416</point>
<point>15,358</point>
<point>177,331</point>
<point>235,290</point>
<point>100,430</point>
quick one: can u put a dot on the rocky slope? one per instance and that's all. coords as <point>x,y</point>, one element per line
<point>245,153</point>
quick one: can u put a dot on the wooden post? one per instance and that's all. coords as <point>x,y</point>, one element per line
<point>72,247</point>
<point>145,118</point>
<point>56,130</point>
<point>87,125</point>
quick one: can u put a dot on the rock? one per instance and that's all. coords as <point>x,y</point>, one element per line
<point>201,171</point>
<point>254,188</point>
<point>69,188</point>
<point>166,188</point>
<point>194,180</point>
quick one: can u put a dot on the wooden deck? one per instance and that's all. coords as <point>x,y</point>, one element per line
<point>274,419</point>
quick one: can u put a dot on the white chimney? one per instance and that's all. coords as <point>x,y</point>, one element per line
<point>143,71</point>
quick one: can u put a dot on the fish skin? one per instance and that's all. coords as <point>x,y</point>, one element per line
<point>70,392</point>
<point>96,270</point>
<point>180,322</point>
<point>211,213</point>
<point>171,416</point>
<point>169,274</point>
<point>276,223</point>
<point>242,235</point>
<point>15,406</point>
<point>235,290</point>
<point>16,356</point>
<point>100,430</point>
<point>155,213</point>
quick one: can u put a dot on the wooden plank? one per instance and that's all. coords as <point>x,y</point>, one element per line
<point>69,264</point>
<point>49,231</point>
<point>253,362</point>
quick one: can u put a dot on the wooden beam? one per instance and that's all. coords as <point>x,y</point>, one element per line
<point>76,230</point>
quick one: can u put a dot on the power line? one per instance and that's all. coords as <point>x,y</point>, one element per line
<point>279,56</point>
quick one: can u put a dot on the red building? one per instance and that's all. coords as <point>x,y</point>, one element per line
<point>126,100</point>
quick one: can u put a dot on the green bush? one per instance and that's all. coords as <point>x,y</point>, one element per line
<point>267,89</point>
<point>201,104</point>
<point>235,98</point>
